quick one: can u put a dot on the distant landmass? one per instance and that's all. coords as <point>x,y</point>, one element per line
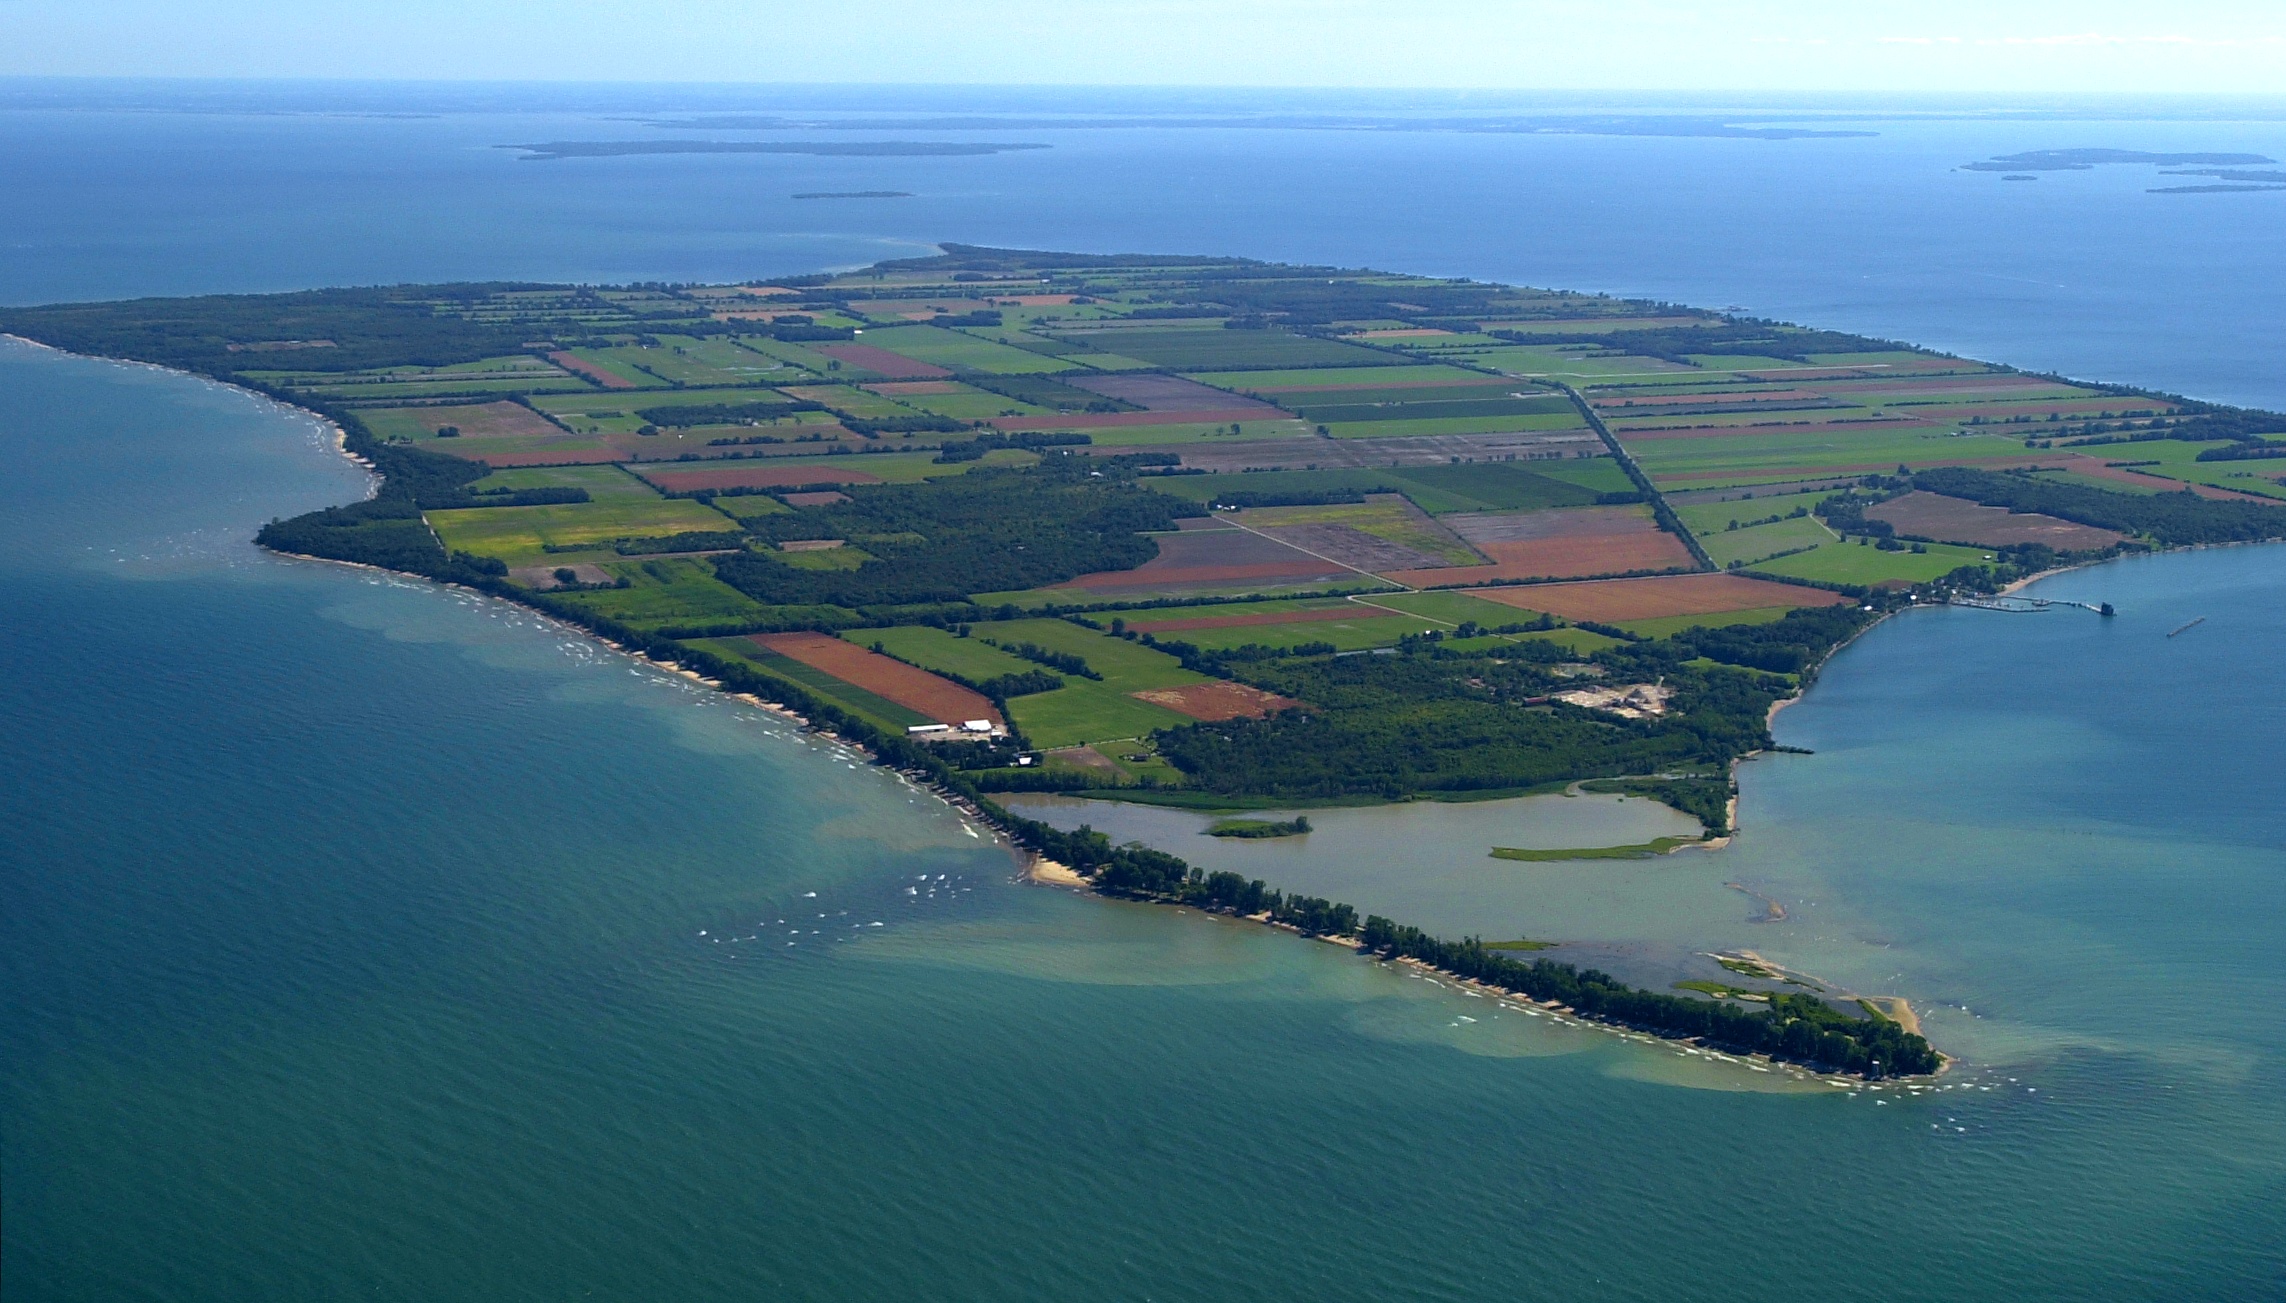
<point>848,148</point>
<point>2081,160</point>
<point>2215,189</point>
<point>1549,124</point>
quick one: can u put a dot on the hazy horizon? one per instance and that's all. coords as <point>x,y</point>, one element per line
<point>1778,46</point>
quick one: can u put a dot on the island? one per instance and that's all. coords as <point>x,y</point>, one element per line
<point>1224,534</point>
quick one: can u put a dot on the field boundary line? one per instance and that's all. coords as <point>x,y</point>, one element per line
<point>1658,500</point>
<point>1319,555</point>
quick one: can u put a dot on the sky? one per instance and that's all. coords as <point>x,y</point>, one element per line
<point>2183,46</point>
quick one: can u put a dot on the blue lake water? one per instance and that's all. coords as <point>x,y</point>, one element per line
<point>365,938</point>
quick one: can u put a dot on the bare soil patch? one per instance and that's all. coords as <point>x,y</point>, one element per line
<point>1612,600</point>
<point>1220,700</point>
<point>881,361</point>
<point>1163,393</point>
<point>1954,520</point>
<point>544,577</point>
<point>819,498</point>
<point>588,370</point>
<point>1486,527</point>
<point>916,690</point>
<point>1561,558</point>
<point>1352,546</point>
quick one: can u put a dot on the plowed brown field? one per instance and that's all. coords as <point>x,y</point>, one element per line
<point>1610,600</point>
<point>1560,558</point>
<point>1211,701</point>
<point>1952,520</point>
<point>881,361</point>
<point>589,370</point>
<point>916,690</point>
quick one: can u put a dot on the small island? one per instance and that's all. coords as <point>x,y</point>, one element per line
<point>1226,535</point>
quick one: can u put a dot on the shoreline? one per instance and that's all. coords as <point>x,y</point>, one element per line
<point>1036,869</point>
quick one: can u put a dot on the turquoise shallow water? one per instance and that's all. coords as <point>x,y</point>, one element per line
<point>363,939</point>
<point>367,938</point>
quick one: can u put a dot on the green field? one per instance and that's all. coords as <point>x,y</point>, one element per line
<point>1673,624</point>
<point>940,649</point>
<point>1750,545</point>
<point>1370,628</point>
<point>2179,460</point>
<point>1081,711</point>
<point>973,405</point>
<point>940,346</point>
<point>1231,350</point>
<point>603,483</point>
<point>1084,710</point>
<point>1746,457</point>
<point>1860,563</point>
<point>665,592</point>
<point>518,535</point>
<point>1384,375</point>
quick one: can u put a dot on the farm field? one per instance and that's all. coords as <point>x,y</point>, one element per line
<point>947,348</point>
<point>1383,533</point>
<point>1203,560</point>
<point>925,694</point>
<point>1758,542</point>
<point>666,591</point>
<point>1861,563</point>
<point>2178,460</point>
<point>1616,601</point>
<point>1931,515</point>
<point>521,535</point>
<point>878,711</point>
<point>1359,458</point>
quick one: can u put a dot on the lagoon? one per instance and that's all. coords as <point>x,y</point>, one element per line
<point>365,937</point>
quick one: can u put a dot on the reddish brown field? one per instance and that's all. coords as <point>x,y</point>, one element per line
<point>1560,558</point>
<point>1952,520</point>
<point>1212,701</point>
<point>591,371</point>
<point>881,361</point>
<point>916,690</point>
<point>1611,600</point>
<point>825,498</point>
<point>754,477</point>
<point>1248,621</point>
